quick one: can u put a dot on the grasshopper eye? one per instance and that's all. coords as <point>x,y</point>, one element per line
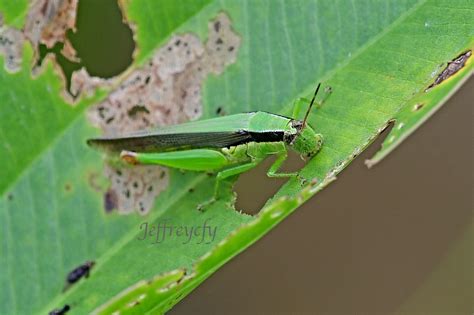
<point>297,124</point>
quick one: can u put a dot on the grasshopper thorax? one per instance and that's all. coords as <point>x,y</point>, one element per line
<point>304,141</point>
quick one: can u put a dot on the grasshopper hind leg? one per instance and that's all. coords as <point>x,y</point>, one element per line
<point>196,160</point>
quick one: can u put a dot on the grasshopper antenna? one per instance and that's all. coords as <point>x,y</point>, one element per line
<point>311,105</point>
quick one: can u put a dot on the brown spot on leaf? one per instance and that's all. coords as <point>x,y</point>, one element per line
<point>453,66</point>
<point>48,21</point>
<point>11,47</point>
<point>418,106</point>
<point>220,111</point>
<point>136,110</point>
<point>95,181</point>
<point>217,26</point>
<point>110,201</point>
<point>134,303</point>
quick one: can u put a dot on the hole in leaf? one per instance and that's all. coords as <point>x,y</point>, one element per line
<point>67,66</point>
<point>377,144</point>
<point>101,34</point>
<point>386,131</point>
<point>103,42</point>
<point>254,187</point>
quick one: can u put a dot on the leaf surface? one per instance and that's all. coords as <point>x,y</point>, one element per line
<point>378,57</point>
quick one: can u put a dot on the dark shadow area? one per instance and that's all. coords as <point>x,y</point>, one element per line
<point>369,240</point>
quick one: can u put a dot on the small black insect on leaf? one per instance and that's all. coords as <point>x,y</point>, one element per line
<point>60,311</point>
<point>79,272</point>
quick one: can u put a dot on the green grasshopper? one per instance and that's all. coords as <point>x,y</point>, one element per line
<point>228,145</point>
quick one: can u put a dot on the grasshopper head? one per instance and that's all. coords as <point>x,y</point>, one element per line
<point>306,142</point>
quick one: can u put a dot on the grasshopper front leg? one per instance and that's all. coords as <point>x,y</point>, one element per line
<point>281,158</point>
<point>229,172</point>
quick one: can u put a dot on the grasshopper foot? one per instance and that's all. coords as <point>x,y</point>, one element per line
<point>303,181</point>
<point>203,206</point>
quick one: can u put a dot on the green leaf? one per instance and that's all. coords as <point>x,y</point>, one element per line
<point>14,12</point>
<point>378,57</point>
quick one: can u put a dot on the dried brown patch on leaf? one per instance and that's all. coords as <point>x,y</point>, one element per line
<point>48,22</point>
<point>11,47</point>
<point>84,84</point>
<point>166,91</point>
<point>134,188</point>
<point>222,44</point>
<point>69,52</point>
<point>453,66</point>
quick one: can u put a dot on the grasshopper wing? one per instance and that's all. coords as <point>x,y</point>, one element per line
<point>211,133</point>
<point>170,141</point>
